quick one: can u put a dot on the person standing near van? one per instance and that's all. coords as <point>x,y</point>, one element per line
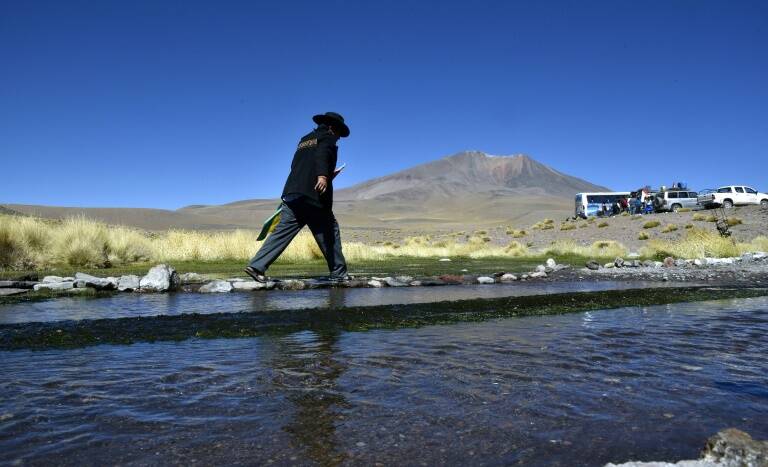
<point>308,200</point>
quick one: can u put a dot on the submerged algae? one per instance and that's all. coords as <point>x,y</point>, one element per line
<point>70,334</point>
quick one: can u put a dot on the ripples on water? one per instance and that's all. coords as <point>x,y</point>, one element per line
<point>577,389</point>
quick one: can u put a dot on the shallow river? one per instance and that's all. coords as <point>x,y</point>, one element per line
<point>577,389</point>
<point>133,304</point>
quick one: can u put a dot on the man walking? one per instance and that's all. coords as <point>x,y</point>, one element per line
<point>308,199</point>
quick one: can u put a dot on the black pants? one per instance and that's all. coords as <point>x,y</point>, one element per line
<point>293,218</point>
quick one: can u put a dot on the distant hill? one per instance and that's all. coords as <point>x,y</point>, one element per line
<point>11,212</point>
<point>468,188</point>
<point>471,173</point>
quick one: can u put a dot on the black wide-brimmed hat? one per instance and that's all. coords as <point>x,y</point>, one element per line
<point>333,119</point>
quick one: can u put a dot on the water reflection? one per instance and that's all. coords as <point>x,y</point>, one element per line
<point>306,372</point>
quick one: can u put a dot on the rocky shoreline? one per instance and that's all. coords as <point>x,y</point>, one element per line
<point>751,269</point>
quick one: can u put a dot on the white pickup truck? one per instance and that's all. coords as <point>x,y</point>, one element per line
<point>730,196</point>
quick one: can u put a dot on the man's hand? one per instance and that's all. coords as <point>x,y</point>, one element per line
<point>322,184</point>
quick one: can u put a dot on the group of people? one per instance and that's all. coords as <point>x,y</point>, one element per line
<point>637,203</point>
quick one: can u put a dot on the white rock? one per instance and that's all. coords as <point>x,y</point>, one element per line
<point>541,268</point>
<point>537,274</point>
<point>444,259</point>
<point>47,279</point>
<point>658,264</point>
<point>249,285</point>
<point>524,277</point>
<point>415,283</point>
<point>551,263</point>
<point>191,277</point>
<point>55,285</point>
<point>758,255</point>
<point>217,286</point>
<point>508,277</point>
<point>128,283</point>
<point>86,280</point>
<point>700,262</point>
<point>375,283</point>
<point>404,278</point>
<point>160,278</point>
<point>609,265</point>
<point>464,270</point>
<point>485,280</point>
<point>396,283</point>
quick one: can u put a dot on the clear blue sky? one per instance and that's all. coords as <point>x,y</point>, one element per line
<point>164,104</point>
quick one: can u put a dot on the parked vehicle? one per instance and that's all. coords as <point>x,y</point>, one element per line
<point>674,200</point>
<point>596,204</point>
<point>732,195</point>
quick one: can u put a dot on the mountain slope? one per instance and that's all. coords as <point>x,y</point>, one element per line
<point>471,173</point>
<point>455,192</point>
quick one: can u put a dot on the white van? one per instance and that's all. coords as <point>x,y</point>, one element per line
<point>594,204</point>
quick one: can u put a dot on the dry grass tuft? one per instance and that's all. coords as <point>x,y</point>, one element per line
<point>731,221</point>
<point>568,226</point>
<point>602,248</point>
<point>699,243</point>
<point>651,224</point>
<point>602,224</point>
<point>545,224</point>
<point>669,228</point>
<point>643,236</point>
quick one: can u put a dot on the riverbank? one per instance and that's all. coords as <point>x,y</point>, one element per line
<point>79,333</point>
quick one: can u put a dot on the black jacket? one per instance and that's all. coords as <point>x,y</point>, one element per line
<point>315,155</point>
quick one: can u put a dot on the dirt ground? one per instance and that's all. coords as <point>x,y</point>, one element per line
<point>624,229</point>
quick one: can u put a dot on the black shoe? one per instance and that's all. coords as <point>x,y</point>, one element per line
<point>256,275</point>
<point>339,280</point>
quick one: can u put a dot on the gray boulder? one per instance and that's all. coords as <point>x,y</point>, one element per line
<point>593,265</point>
<point>551,263</point>
<point>728,448</point>
<point>99,283</point>
<point>128,283</point>
<point>191,278</point>
<point>251,285</point>
<point>55,285</point>
<point>648,263</point>
<point>485,280</point>
<point>396,282</point>
<point>291,284</point>
<point>49,279</point>
<point>17,284</point>
<point>4,292</point>
<point>161,278</point>
<point>538,274</point>
<point>618,262</point>
<point>541,268</point>
<point>375,283</point>
<point>508,278</point>
<point>217,286</point>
